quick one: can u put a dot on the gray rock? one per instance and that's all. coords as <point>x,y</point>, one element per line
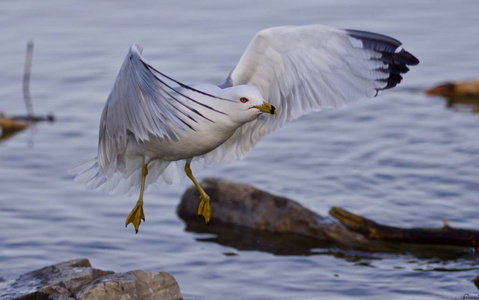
<point>132,285</point>
<point>77,280</point>
<point>241,205</point>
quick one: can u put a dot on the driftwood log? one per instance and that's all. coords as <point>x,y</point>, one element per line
<point>459,95</point>
<point>246,218</point>
<point>451,89</point>
<point>436,236</point>
<point>241,211</point>
<point>11,125</point>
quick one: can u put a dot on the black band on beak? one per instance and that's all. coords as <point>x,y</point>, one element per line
<point>273,109</point>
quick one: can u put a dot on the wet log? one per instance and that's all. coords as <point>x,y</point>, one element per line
<point>241,211</point>
<point>246,218</point>
<point>435,236</point>
<point>453,89</point>
<point>10,125</point>
<point>33,118</point>
<point>459,95</point>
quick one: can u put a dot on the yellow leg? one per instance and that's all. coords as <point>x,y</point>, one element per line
<point>204,208</point>
<point>137,214</point>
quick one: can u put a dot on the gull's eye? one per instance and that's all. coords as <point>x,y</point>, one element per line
<point>244,99</point>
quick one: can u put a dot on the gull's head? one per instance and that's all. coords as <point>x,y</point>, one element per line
<point>249,103</point>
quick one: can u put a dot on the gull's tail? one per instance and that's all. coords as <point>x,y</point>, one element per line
<point>88,173</point>
<point>126,178</point>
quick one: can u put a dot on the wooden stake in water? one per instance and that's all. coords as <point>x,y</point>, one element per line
<point>26,80</point>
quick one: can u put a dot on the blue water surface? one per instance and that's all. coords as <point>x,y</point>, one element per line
<point>403,158</point>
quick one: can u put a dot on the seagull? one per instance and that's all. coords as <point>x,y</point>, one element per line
<point>152,125</point>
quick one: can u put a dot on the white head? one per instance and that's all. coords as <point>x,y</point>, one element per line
<point>248,103</point>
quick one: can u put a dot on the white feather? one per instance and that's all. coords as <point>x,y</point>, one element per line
<point>300,69</point>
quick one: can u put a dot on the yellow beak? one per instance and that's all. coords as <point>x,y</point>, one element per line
<point>266,108</point>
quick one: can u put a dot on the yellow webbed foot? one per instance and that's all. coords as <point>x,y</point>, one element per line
<point>204,208</point>
<point>135,216</point>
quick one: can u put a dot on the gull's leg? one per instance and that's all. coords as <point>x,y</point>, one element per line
<point>204,208</point>
<point>137,214</point>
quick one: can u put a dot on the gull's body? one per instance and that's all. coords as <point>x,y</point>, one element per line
<point>148,125</point>
<point>201,138</point>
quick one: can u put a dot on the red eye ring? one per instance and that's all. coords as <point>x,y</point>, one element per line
<point>243,100</point>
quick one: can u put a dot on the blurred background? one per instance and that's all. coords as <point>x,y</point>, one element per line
<point>403,158</point>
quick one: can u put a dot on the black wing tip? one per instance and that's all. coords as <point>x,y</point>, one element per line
<point>396,58</point>
<point>372,36</point>
<point>410,59</point>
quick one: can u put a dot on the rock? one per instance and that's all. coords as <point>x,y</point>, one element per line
<point>451,89</point>
<point>241,205</point>
<point>476,281</point>
<point>77,280</point>
<point>132,285</point>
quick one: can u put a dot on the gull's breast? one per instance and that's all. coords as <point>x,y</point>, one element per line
<point>194,143</point>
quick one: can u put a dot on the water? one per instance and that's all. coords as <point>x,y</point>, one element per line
<point>403,158</point>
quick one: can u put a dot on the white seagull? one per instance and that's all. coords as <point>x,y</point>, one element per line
<point>151,123</point>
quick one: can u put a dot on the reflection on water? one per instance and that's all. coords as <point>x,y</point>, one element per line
<point>463,103</point>
<point>459,96</point>
<point>401,159</point>
<point>4,134</point>
<point>246,239</point>
<point>460,103</point>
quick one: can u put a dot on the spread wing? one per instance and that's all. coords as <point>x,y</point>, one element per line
<point>308,68</point>
<point>143,104</point>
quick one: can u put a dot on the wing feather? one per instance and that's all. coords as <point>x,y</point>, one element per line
<point>144,104</point>
<point>300,69</point>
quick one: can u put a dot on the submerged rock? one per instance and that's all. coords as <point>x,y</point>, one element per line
<point>243,206</point>
<point>77,280</point>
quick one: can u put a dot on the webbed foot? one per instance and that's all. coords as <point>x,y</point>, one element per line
<point>204,208</point>
<point>136,215</point>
